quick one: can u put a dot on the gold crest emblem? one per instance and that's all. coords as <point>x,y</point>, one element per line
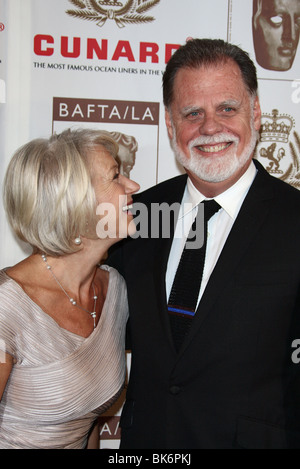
<point>279,147</point>
<point>129,12</point>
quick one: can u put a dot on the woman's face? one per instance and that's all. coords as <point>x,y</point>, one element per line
<point>113,195</point>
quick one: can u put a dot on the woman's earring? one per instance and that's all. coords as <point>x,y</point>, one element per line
<point>77,241</point>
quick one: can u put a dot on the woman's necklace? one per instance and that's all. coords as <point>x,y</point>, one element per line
<point>72,301</point>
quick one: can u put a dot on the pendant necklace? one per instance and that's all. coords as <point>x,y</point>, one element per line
<point>72,301</point>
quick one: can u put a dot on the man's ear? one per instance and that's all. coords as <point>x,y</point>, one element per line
<point>257,114</point>
<point>168,120</point>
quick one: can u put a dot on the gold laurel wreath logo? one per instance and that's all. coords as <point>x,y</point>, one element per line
<point>130,13</point>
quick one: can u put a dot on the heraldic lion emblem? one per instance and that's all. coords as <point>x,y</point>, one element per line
<point>277,147</point>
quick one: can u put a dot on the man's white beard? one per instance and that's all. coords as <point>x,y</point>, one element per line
<point>215,168</point>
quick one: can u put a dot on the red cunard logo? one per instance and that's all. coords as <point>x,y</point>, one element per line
<point>90,48</point>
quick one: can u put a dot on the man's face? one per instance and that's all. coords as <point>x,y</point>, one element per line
<point>212,122</point>
<point>276,33</point>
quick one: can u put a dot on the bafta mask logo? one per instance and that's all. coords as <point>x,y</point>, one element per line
<point>279,147</point>
<point>275,27</point>
<point>123,13</point>
<point>128,146</point>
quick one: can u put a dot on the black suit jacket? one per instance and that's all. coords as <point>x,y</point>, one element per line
<point>233,383</point>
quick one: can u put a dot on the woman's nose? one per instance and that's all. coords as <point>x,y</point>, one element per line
<point>131,187</point>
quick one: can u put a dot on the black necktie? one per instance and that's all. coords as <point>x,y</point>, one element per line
<point>185,289</point>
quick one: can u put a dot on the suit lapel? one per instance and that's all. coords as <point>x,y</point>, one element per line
<point>251,216</point>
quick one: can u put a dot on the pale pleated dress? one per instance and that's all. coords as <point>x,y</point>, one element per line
<point>61,382</point>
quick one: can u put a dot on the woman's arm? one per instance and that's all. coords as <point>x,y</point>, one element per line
<point>94,438</point>
<point>6,364</point>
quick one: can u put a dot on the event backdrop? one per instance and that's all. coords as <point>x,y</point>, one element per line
<point>99,64</point>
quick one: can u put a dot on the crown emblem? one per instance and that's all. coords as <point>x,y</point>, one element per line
<point>279,147</point>
<point>275,127</point>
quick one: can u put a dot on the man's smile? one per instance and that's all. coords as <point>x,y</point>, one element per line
<point>215,148</point>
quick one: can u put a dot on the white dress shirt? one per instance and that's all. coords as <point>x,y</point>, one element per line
<point>219,225</point>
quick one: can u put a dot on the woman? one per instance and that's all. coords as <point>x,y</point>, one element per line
<point>62,318</point>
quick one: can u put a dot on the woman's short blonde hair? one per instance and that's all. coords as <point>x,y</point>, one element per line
<point>48,195</point>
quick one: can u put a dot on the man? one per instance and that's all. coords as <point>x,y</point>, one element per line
<point>275,25</point>
<point>229,380</point>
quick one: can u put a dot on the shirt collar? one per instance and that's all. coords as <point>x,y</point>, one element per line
<point>230,200</point>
